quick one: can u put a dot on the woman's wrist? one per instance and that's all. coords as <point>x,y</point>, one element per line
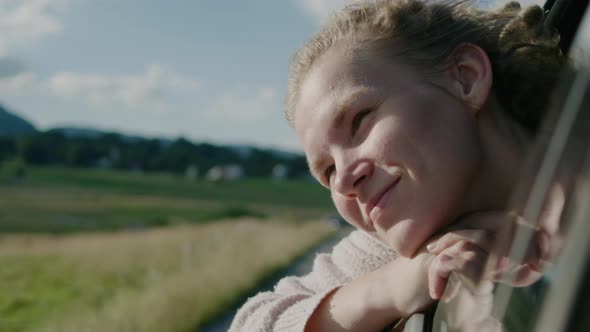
<point>410,285</point>
<point>374,300</point>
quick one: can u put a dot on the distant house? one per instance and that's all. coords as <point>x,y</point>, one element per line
<point>279,172</point>
<point>104,163</point>
<point>107,162</point>
<point>225,173</point>
<point>233,172</point>
<point>215,173</point>
<point>115,155</point>
<point>191,173</point>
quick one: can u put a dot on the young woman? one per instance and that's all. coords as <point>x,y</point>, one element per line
<point>416,116</point>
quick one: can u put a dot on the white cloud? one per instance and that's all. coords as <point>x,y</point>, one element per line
<point>10,66</point>
<point>131,90</point>
<point>24,21</point>
<point>23,83</point>
<point>147,90</point>
<point>237,107</point>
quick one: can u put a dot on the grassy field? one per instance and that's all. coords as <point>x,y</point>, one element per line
<point>167,279</point>
<point>87,250</point>
<point>64,200</point>
<point>304,194</point>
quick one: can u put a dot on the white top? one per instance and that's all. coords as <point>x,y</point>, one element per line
<point>294,299</point>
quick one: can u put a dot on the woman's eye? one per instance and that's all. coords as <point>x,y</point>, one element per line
<point>328,173</point>
<point>357,120</point>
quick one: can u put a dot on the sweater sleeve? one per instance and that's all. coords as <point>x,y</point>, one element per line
<point>288,307</point>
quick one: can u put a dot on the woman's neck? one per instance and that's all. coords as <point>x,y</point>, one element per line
<point>505,145</point>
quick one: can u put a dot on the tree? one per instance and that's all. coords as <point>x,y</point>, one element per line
<point>8,149</point>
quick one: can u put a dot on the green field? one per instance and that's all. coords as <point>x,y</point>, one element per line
<point>85,250</point>
<point>63,200</point>
<point>168,279</point>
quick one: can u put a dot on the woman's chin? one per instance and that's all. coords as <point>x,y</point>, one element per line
<point>407,241</point>
<point>403,247</point>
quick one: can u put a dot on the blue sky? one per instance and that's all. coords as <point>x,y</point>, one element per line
<point>208,70</point>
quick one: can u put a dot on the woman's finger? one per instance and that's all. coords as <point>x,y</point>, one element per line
<point>451,290</point>
<point>494,232</point>
<point>463,257</point>
<point>518,275</point>
<point>469,260</point>
<point>535,253</point>
<point>438,274</point>
<point>482,238</point>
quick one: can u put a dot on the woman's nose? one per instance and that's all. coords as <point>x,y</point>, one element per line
<point>349,182</point>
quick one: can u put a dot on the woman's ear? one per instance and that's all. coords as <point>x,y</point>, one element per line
<point>471,74</point>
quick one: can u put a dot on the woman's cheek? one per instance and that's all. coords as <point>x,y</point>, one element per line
<point>349,210</point>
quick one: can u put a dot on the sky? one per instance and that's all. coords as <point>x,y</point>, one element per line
<point>206,70</point>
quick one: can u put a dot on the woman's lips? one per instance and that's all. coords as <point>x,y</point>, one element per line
<point>376,210</point>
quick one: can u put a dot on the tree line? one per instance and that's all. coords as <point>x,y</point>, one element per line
<point>116,151</point>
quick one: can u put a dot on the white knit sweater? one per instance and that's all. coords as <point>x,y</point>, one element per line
<point>289,306</point>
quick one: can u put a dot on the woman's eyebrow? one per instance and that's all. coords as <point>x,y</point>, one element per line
<point>342,106</point>
<point>344,103</point>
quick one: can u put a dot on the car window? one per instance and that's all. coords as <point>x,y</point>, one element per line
<point>555,190</point>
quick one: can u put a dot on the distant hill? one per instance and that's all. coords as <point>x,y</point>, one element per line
<point>13,125</point>
<point>84,132</point>
<point>74,132</point>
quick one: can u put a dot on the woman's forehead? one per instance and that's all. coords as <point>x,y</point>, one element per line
<point>336,81</point>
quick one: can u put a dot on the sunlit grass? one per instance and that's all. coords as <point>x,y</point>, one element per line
<point>54,209</point>
<point>70,200</point>
<point>169,279</point>
<point>301,194</point>
<point>143,277</point>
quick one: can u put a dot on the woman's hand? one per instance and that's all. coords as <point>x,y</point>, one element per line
<point>478,247</point>
<point>376,299</point>
<point>410,291</point>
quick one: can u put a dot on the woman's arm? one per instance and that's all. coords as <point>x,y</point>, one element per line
<point>361,286</point>
<point>293,301</point>
<point>375,300</point>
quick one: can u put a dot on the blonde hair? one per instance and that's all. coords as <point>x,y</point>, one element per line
<point>524,52</point>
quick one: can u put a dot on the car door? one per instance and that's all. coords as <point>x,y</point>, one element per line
<point>556,183</point>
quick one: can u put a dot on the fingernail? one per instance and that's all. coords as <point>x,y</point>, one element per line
<point>431,246</point>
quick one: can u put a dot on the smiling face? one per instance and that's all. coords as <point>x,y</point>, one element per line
<point>398,153</point>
